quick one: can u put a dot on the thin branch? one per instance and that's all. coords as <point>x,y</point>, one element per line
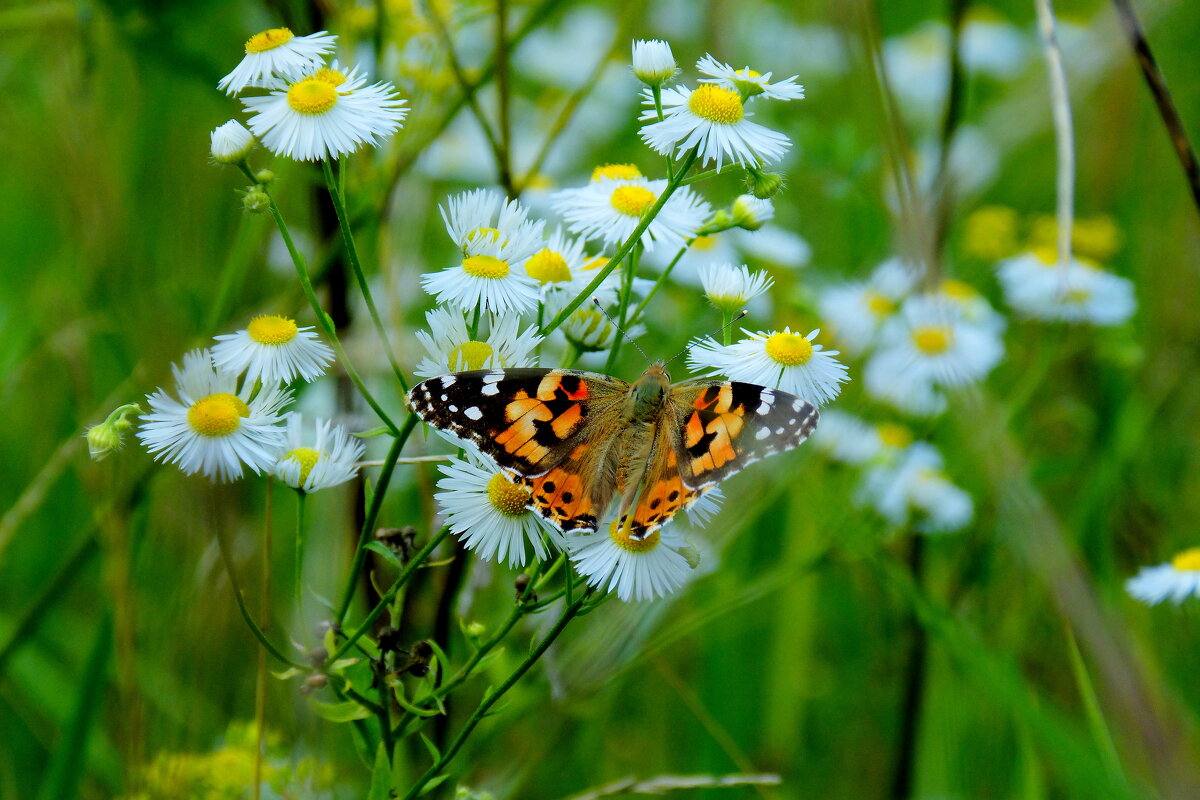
<point>943,185</point>
<point>504,154</point>
<point>1064,134</point>
<point>1162,97</point>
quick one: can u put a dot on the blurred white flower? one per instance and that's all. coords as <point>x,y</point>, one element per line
<point>856,311</point>
<point>1036,286</point>
<point>915,482</point>
<point>930,339</point>
<point>1176,580</point>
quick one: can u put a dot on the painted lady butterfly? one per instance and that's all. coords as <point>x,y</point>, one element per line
<point>575,439</point>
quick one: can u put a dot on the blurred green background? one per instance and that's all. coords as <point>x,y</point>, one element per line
<point>803,649</point>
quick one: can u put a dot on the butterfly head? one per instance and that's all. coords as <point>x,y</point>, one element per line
<point>648,392</point>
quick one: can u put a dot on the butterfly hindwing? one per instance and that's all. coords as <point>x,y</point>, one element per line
<point>725,425</point>
<point>526,419</point>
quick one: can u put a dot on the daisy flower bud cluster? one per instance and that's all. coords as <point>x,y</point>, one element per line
<point>313,109</point>
<point>902,480</point>
<point>228,411</point>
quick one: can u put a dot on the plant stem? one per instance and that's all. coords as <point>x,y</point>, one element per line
<point>298,588</point>
<point>904,770</point>
<point>364,536</point>
<point>386,600</point>
<point>338,197</point>
<point>662,279</point>
<point>323,319</point>
<point>631,263</point>
<point>494,696</point>
<point>626,245</point>
<point>504,154</point>
<point>241,603</point>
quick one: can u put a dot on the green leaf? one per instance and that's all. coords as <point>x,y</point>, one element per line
<point>431,747</point>
<point>381,776</point>
<point>287,673</point>
<point>414,710</point>
<point>385,553</point>
<point>434,783</point>
<point>339,712</point>
<point>372,432</point>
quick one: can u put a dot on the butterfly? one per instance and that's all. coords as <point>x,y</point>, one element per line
<point>575,440</point>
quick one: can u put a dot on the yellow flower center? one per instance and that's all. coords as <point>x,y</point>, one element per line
<point>1047,256</point>
<point>991,233</point>
<point>492,234</point>
<point>704,242</point>
<point>547,266</point>
<point>507,498</point>
<point>268,40</point>
<point>623,538</point>
<point>624,172</point>
<point>958,290</point>
<point>748,82</point>
<point>1188,560</point>
<point>747,73</point>
<point>893,435</point>
<point>272,330</point>
<point>596,263</point>
<point>933,339</point>
<point>789,349</point>
<point>307,458</point>
<point>1076,296</point>
<point>716,104</point>
<point>331,76</point>
<point>217,415</point>
<point>878,304</point>
<point>632,201</point>
<point>469,355</point>
<point>485,267</point>
<point>312,96</point>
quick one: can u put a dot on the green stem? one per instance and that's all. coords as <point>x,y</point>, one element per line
<point>474,327</point>
<point>727,327</point>
<point>626,245</point>
<point>701,176</point>
<point>299,581</point>
<point>494,696</point>
<point>623,307</point>
<point>338,197</point>
<point>364,536</point>
<point>386,600</point>
<point>656,91</point>
<point>323,319</point>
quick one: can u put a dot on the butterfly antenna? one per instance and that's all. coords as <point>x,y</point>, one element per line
<point>714,333</point>
<point>622,330</point>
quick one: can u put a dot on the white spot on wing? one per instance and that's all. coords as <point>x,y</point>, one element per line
<point>489,388</point>
<point>473,413</point>
<point>444,398</point>
<point>765,405</point>
<point>762,433</point>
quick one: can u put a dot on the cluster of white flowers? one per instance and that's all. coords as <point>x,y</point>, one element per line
<point>312,110</point>
<point>1037,286</point>
<point>227,412</point>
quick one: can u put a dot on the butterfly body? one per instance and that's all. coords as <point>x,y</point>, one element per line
<point>576,440</point>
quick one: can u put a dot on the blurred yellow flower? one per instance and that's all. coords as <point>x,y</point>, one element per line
<point>991,233</point>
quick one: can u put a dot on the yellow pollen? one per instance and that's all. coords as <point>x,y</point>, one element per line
<point>492,234</point>
<point>217,415</point>
<point>485,267</point>
<point>469,355</point>
<point>307,458</point>
<point>747,73</point>
<point>789,349</point>
<point>632,201</point>
<point>623,538</point>
<point>1047,256</point>
<point>330,76</point>
<point>933,339</point>
<point>716,104</point>
<point>272,330</point>
<point>312,96</point>
<point>1076,296</point>
<point>507,498</point>
<point>625,172</point>
<point>596,262</point>
<point>958,290</point>
<point>879,305</point>
<point>893,435</point>
<point>1188,560</point>
<point>704,242</point>
<point>268,40</point>
<point>547,266</point>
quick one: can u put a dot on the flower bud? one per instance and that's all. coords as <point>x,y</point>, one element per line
<point>108,436</point>
<point>264,176</point>
<point>764,185</point>
<point>751,213</point>
<point>255,200</point>
<point>231,143</point>
<point>653,62</point>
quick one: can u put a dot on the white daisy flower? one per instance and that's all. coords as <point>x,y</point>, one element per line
<point>490,274</point>
<point>929,339</point>
<point>913,392</point>
<point>705,507</point>
<point>451,348</point>
<point>1036,286</point>
<point>231,143</point>
<point>277,53</point>
<point>729,288</point>
<point>328,459</point>
<point>326,114</point>
<point>781,359</point>
<point>653,61</point>
<point>915,481</point>
<point>705,249</point>
<point>636,569</point>
<point>490,513</point>
<point>564,270</point>
<point>747,82</point>
<point>849,440</point>
<point>588,330</point>
<point>611,208</point>
<point>213,428</point>
<point>855,311</point>
<point>486,215</point>
<point>272,349</point>
<point>715,119</point>
<point>973,306</point>
<point>1176,580</point>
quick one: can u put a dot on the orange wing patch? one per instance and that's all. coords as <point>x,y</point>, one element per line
<point>659,502</point>
<point>561,497</point>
